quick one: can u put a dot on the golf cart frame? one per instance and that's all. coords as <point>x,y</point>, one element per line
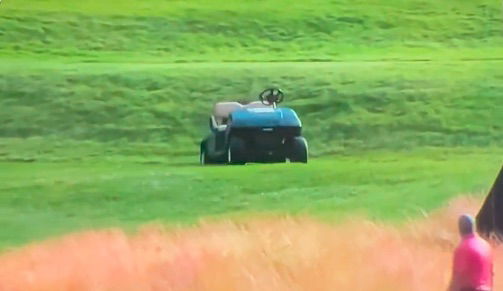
<point>255,132</point>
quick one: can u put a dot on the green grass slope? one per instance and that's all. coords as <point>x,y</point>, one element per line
<point>99,71</point>
<point>344,107</point>
<point>166,31</point>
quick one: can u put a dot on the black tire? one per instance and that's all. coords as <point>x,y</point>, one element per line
<point>203,157</point>
<point>236,153</point>
<point>298,150</point>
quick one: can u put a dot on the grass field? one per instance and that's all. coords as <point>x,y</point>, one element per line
<point>44,199</point>
<point>345,107</point>
<point>166,31</point>
<point>102,106</point>
<point>363,75</point>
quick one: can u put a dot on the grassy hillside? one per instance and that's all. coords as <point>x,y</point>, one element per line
<point>272,30</point>
<point>99,71</point>
<point>356,106</point>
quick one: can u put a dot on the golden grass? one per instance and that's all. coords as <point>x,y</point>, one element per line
<point>280,253</point>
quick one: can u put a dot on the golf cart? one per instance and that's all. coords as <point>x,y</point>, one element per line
<point>255,132</point>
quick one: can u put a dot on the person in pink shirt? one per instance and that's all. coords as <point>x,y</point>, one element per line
<point>472,268</point>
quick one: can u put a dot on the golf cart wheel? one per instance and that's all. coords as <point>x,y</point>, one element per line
<point>236,154</point>
<point>203,157</point>
<point>298,150</point>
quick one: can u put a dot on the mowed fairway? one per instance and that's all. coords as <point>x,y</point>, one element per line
<point>103,105</point>
<point>44,199</point>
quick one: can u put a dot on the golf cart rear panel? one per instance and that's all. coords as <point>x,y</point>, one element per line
<point>266,138</point>
<point>265,117</point>
<point>264,131</point>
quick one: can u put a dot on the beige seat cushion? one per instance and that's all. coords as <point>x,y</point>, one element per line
<point>222,110</point>
<point>256,104</point>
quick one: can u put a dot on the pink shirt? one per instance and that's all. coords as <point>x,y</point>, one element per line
<point>473,263</point>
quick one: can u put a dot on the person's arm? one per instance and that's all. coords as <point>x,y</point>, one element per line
<point>457,271</point>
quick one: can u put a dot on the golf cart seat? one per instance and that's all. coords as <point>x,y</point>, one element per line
<point>221,113</point>
<point>256,104</point>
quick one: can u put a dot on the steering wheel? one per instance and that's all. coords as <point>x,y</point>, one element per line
<point>271,96</point>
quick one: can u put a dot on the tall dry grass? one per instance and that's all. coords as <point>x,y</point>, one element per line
<point>281,253</point>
